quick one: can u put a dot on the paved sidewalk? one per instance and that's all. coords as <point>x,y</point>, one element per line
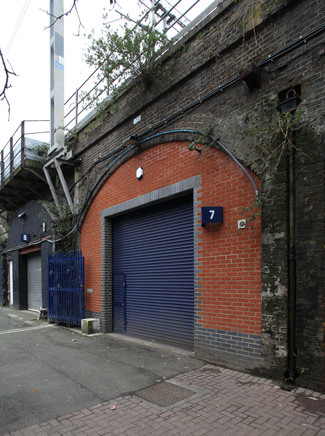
<point>220,402</point>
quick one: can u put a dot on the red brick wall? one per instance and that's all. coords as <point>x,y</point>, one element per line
<point>230,260</point>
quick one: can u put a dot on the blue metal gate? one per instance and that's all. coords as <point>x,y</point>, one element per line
<point>65,286</point>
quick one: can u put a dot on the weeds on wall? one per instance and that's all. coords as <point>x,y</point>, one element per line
<point>288,124</point>
<point>282,140</point>
<point>126,54</point>
<point>63,221</point>
<point>41,151</point>
<point>203,138</point>
<point>252,13</point>
<point>3,239</point>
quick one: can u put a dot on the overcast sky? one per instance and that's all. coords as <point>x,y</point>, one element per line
<point>24,40</point>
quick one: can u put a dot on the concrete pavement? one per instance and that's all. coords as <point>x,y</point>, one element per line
<point>49,371</point>
<point>201,400</point>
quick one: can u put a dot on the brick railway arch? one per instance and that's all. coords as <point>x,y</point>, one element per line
<point>138,145</point>
<point>227,262</point>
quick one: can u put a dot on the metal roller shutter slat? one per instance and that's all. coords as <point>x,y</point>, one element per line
<point>153,248</point>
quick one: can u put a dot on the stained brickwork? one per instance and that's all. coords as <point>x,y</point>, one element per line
<point>241,278</point>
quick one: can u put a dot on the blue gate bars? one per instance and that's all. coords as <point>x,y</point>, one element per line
<point>65,286</point>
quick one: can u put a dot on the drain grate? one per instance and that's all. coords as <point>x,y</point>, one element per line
<point>164,394</point>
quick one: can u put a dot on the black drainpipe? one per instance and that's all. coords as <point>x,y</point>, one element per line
<point>292,263</point>
<point>289,101</point>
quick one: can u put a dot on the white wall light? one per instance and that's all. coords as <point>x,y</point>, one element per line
<point>139,173</point>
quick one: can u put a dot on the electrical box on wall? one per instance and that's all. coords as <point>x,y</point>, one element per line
<point>213,214</point>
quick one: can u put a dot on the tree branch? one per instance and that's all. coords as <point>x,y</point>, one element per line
<point>57,18</point>
<point>6,84</point>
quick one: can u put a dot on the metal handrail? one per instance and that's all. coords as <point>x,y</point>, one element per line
<point>76,95</point>
<point>83,92</point>
<point>14,153</point>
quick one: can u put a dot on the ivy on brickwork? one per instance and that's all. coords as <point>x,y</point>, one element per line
<point>265,145</point>
<point>288,123</point>
<point>64,222</point>
<point>205,137</point>
<point>282,140</point>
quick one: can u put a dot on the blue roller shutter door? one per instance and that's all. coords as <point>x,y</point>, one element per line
<point>153,250</point>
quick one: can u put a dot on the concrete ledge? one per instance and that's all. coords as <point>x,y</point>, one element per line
<point>90,326</point>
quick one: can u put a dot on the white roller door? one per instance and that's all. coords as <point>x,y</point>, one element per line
<point>34,281</point>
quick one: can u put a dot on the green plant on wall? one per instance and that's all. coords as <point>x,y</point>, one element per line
<point>282,140</point>
<point>252,212</point>
<point>41,151</point>
<point>205,136</point>
<point>288,123</point>
<point>127,53</point>
<point>63,221</point>
<point>3,238</point>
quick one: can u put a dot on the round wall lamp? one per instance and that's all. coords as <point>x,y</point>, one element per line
<point>139,173</point>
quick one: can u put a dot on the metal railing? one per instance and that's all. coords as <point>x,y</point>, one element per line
<point>173,20</point>
<point>21,146</point>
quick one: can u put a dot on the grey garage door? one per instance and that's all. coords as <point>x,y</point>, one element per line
<point>153,272</point>
<point>34,281</point>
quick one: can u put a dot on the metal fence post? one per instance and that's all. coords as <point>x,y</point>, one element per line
<point>11,158</point>
<point>22,144</point>
<point>2,170</point>
<point>77,102</point>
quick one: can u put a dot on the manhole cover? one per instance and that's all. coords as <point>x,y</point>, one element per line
<point>164,394</point>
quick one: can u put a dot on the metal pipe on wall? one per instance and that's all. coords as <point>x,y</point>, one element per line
<point>292,263</point>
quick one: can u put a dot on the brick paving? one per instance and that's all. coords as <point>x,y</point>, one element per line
<point>224,402</point>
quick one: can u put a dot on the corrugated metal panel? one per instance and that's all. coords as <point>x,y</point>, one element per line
<point>153,247</point>
<point>34,281</point>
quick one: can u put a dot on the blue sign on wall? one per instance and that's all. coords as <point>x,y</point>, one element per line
<point>213,214</point>
<point>25,237</point>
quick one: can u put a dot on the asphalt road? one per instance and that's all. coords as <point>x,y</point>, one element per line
<point>48,371</point>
